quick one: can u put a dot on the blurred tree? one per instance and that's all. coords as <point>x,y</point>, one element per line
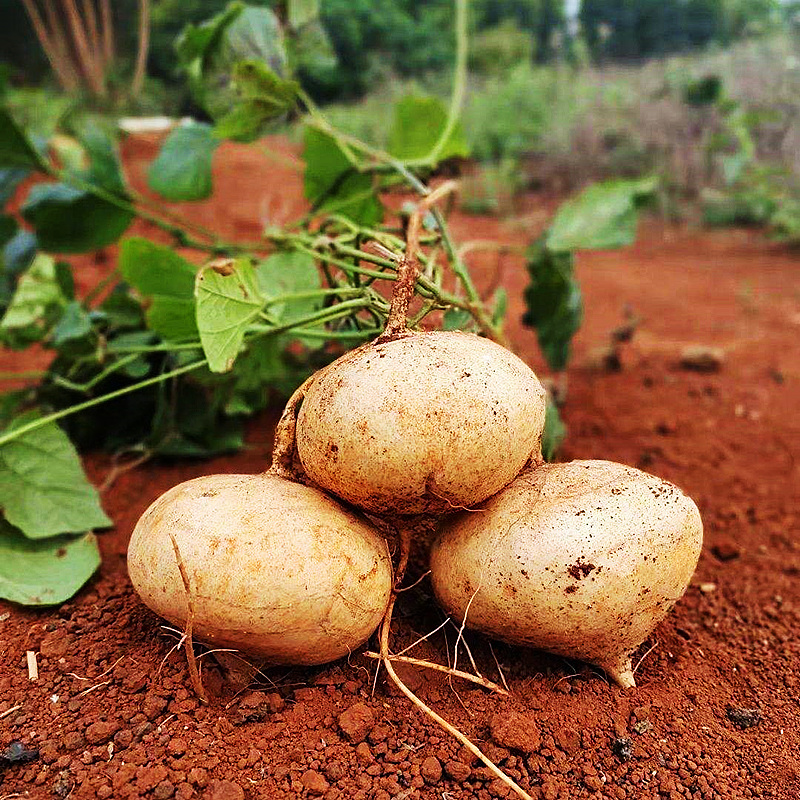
<point>543,18</point>
<point>634,29</point>
<point>496,50</point>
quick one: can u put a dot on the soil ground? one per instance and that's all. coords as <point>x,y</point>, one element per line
<point>715,713</point>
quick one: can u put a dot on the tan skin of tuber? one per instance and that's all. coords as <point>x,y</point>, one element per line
<point>259,563</point>
<point>581,559</point>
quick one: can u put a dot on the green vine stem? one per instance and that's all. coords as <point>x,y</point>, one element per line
<point>35,424</point>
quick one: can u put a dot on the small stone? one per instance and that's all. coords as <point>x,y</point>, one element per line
<point>457,770</point>
<point>176,747</point>
<point>702,358</point>
<point>73,740</point>
<point>153,705</point>
<point>431,770</point>
<point>364,754</point>
<point>198,776</point>
<point>726,550</point>
<point>743,718</point>
<point>593,783</point>
<point>224,790</point>
<point>568,739</point>
<point>643,727</point>
<point>164,790</point>
<point>314,783</point>
<point>357,722</point>
<point>708,588</point>
<point>99,732</point>
<point>622,748</point>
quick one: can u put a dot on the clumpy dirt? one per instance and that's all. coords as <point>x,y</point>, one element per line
<point>715,713</point>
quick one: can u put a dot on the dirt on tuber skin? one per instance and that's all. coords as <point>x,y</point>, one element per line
<point>421,423</point>
<point>277,570</point>
<point>581,559</point>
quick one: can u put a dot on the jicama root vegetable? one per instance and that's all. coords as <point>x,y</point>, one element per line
<point>419,422</point>
<point>275,569</point>
<point>581,559</point>
<point>422,422</point>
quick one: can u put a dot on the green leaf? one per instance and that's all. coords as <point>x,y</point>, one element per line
<point>313,56</point>
<point>43,490</point>
<point>333,184</point>
<point>157,272</point>
<point>45,572</point>
<point>16,149</point>
<point>172,319</point>
<point>182,169</point>
<point>554,433</point>
<point>121,311</point>
<point>104,169</point>
<point>301,12</point>
<point>251,34</point>
<point>198,41</point>
<point>264,97</point>
<point>19,252</point>
<point>36,304</point>
<point>228,300</point>
<point>74,324</point>
<point>553,298</point>
<point>419,121</point>
<point>602,217</point>
<point>10,405</point>
<point>69,220</point>
<point>291,272</point>
<point>456,319</point>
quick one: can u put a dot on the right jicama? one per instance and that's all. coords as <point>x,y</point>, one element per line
<point>581,559</point>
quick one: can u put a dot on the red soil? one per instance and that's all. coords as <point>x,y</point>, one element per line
<point>112,714</point>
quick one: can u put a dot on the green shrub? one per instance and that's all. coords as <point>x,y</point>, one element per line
<point>496,50</point>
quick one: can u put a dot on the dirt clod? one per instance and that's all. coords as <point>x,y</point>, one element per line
<point>515,731</point>
<point>357,722</point>
<point>431,770</point>
<point>314,783</point>
<point>99,732</point>
<point>224,790</point>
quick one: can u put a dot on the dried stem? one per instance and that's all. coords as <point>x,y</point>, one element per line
<point>90,15</point>
<point>144,44</point>
<point>108,31</point>
<point>55,54</point>
<point>453,673</point>
<point>409,267</point>
<point>188,644</point>
<point>88,67</point>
